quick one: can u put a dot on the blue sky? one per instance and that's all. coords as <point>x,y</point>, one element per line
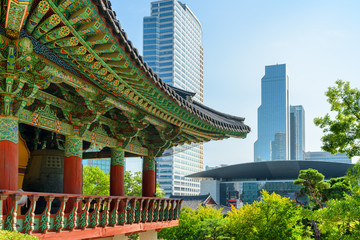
<point>318,40</point>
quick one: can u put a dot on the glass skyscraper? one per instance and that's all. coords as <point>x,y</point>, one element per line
<point>273,116</point>
<point>297,132</point>
<point>173,49</point>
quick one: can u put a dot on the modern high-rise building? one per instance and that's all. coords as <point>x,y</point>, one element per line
<point>326,156</point>
<point>297,132</point>
<point>102,163</point>
<point>273,116</point>
<point>277,147</point>
<point>173,49</point>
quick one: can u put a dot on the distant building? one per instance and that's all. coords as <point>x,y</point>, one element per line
<point>326,156</point>
<point>205,200</point>
<point>297,132</point>
<point>207,167</point>
<point>242,183</point>
<point>102,163</point>
<point>278,147</point>
<point>173,49</point>
<point>273,116</point>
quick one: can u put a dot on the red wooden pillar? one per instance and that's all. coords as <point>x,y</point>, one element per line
<point>9,152</point>
<point>148,178</point>
<point>73,165</point>
<point>117,172</point>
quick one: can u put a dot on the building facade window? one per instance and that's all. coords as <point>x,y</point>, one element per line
<point>179,44</point>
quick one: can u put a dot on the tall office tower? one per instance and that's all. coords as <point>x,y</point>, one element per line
<point>273,116</point>
<point>277,147</point>
<point>297,132</point>
<point>173,48</point>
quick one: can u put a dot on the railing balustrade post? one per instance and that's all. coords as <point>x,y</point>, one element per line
<point>104,215</point>
<point>113,211</point>
<point>171,210</point>
<point>10,218</point>
<point>83,213</point>
<point>150,211</point>
<point>176,209</point>
<point>156,210</point>
<point>161,212</point>
<point>44,222</point>
<point>122,214</point>
<point>28,224</point>
<point>94,216</point>
<point>131,212</point>
<point>176,204</point>
<point>144,211</point>
<point>166,211</point>
<point>71,219</point>
<point>138,210</point>
<point>59,216</point>
<point>3,198</point>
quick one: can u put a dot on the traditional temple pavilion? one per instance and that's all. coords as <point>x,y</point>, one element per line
<point>71,82</point>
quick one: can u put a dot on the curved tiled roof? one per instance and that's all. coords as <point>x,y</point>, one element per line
<point>215,118</point>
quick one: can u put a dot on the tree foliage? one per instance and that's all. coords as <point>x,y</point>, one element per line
<point>199,224</point>
<point>312,184</point>
<point>353,174</point>
<point>97,182</point>
<point>7,235</point>
<point>274,217</point>
<point>212,228</point>
<point>133,185</point>
<point>338,188</point>
<point>340,219</point>
<point>323,197</point>
<point>342,134</point>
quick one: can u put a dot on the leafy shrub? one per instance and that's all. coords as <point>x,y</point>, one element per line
<point>7,235</point>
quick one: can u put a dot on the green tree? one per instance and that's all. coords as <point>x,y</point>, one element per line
<point>342,133</point>
<point>185,230</point>
<point>133,185</point>
<point>7,235</point>
<point>312,184</point>
<point>95,181</point>
<point>353,174</point>
<point>340,219</point>
<point>202,223</point>
<point>212,229</point>
<point>338,189</point>
<point>274,217</point>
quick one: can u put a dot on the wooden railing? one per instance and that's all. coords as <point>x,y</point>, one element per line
<point>50,212</point>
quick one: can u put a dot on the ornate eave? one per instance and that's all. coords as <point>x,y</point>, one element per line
<point>81,73</point>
